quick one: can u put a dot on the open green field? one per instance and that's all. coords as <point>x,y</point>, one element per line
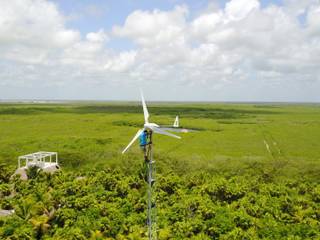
<point>91,135</point>
<point>251,171</point>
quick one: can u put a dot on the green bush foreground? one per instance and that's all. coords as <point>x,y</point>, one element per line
<point>110,204</point>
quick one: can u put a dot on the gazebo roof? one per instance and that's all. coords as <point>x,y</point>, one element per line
<point>38,155</point>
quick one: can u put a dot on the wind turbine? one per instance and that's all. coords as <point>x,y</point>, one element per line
<point>147,131</point>
<point>176,122</point>
<point>151,127</point>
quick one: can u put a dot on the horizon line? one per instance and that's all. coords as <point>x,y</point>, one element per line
<point>43,101</point>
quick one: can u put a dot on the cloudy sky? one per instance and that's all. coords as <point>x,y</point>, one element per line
<point>238,50</point>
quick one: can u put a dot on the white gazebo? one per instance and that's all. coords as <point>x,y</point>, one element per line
<point>47,161</point>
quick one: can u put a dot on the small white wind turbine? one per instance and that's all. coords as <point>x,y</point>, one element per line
<point>148,126</point>
<point>176,122</point>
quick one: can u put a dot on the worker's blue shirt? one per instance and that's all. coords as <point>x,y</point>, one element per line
<point>143,139</point>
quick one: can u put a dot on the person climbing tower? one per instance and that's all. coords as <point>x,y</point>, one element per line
<point>143,138</point>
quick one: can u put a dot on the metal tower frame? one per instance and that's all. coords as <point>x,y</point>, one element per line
<point>150,174</point>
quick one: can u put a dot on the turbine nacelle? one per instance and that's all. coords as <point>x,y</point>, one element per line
<point>150,126</point>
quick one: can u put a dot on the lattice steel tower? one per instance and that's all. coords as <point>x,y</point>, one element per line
<point>151,198</point>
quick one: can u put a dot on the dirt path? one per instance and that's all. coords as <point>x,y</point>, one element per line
<point>271,144</point>
<point>267,146</point>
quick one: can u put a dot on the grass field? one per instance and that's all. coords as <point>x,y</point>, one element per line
<point>94,135</point>
<point>251,171</point>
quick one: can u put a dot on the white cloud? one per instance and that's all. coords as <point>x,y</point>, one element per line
<point>206,23</point>
<point>313,20</point>
<point>238,43</point>
<point>121,63</point>
<point>152,28</point>
<point>243,44</point>
<point>298,7</point>
<point>238,9</point>
<point>34,23</point>
<point>34,32</point>
<point>100,36</point>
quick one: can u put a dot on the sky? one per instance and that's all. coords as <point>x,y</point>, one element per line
<point>175,50</point>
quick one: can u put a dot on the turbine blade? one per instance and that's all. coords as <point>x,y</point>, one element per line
<point>163,132</point>
<point>176,129</point>
<point>133,140</point>
<point>145,109</point>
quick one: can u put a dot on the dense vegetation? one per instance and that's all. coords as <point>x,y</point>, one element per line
<point>251,172</point>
